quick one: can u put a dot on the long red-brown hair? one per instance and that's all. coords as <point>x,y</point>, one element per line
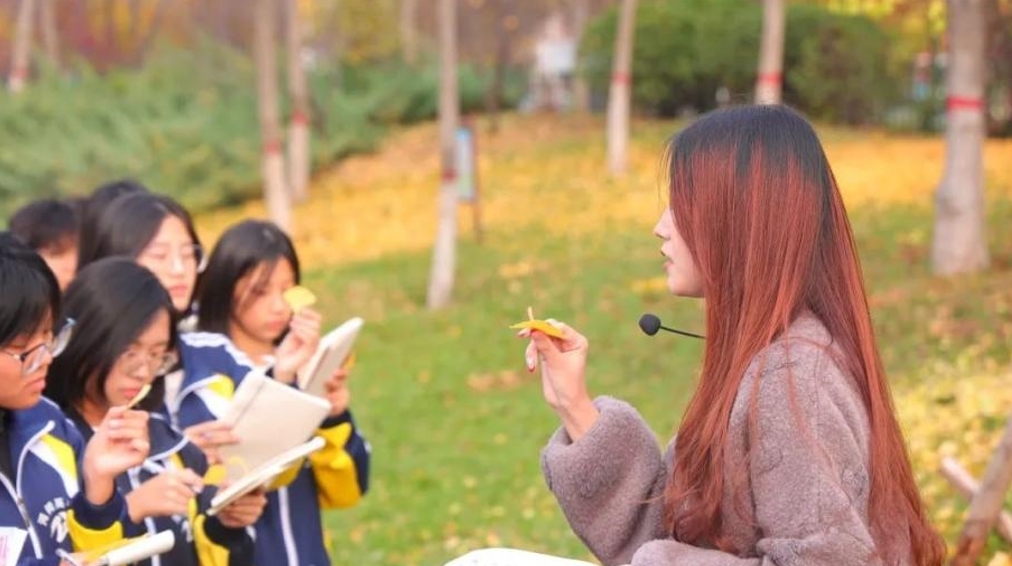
<point>753,196</point>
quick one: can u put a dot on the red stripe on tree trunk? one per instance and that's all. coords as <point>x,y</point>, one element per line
<point>769,78</point>
<point>621,78</point>
<point>18,73</point>
<point>964,103</point>
<point>272,147</point>
<point>449,176</point>
<point>299,117</point>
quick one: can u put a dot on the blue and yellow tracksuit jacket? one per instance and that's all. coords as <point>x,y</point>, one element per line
<point>45,499</point>
<point>290,532</point>
<point>200,540</point>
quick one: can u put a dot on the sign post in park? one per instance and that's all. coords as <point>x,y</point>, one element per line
<point>467,173</point>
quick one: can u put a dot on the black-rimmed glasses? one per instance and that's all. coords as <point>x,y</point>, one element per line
<point>32,359</point>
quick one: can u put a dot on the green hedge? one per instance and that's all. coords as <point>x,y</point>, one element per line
<point>836,66</point>
<point>186,124</point>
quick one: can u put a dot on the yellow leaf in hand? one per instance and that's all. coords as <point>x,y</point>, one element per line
<point>215,475</point>
<point>539,325</point>
<point>299,297</point>
<point>140,396</point>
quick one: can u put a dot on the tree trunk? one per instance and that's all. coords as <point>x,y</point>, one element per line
<point>581,90</point>
<point>409,31</point>
<point>135,27</point>
<point>494,93</point>
<point>985,507</point>
<point>111,47</point>
<point>444,249</point>
<point>265,53</point>
<point>298,129</point>
<point>50,33</point>
<point>145,41</point>
<point>620,93</point>
<point>22,47</point>
<point>968,486</point>
<point>769,82</point>
<point>960,240</point>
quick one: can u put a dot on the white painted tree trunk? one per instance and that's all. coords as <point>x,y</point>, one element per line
<point>581,91</point>
<point>769,82</point>
<point>22,47</point>
<point>279,207</point>
<point>299,161</point>
<point>50,34</point>
<point>986,504</point>
<point>409,32</point>
<point>960,238</point>
<point>445,247</point>
<point>620,92</point>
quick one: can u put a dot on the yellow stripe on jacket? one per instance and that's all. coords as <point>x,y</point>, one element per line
<point>60,456</point>
<point>85,539</point>
<point>209,553</point>
<point>336,476</point>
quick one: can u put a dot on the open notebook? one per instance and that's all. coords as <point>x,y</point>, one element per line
<point>274,423</point>
<point>126,551</point>
<point>334,348</point>
<point>263,475</point>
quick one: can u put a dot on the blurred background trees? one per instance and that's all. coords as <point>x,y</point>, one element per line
<point>165,90</point>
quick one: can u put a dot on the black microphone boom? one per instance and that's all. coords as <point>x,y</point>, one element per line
<point>650,324</point>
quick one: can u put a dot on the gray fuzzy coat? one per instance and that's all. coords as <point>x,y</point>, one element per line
<point>806,500</point>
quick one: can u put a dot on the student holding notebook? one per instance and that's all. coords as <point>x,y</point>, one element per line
<point>122,347</point>
<point>253,264</point>
<point>44,512</point>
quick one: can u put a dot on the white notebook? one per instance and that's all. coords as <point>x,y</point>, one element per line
<point>128,551</point>
<point>270,418</point>
<point>263,475</point>
<point>334,348</point>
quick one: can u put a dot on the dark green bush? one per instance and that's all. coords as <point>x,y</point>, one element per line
<point>186,124</point>
<point>836,66</point>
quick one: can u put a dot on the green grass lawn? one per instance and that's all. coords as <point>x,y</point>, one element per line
<point>457,424</point>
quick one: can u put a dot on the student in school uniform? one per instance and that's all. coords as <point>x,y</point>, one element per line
<point>157,233</point>
<point>56,494</point>
<point>49,226</point>
<point>122,347</point>
<point>253,264</point>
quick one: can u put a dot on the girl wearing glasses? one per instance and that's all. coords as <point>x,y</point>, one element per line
<point>44,512</point>
<point>251,267</point>
<point>124,344</point>
<point>157,233</point>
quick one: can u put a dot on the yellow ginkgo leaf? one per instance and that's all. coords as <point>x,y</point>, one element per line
<point>349,362</point>
<point>539,325</point>
<point>215,475</point>
<point>299,297</point>
<point>140,396</point>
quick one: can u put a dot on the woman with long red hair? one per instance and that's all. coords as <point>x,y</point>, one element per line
<point>789,451</point>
